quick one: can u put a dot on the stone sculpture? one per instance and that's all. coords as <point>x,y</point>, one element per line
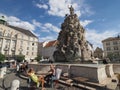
<point>72,45</point>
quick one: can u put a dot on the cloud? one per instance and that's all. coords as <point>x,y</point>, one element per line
<point>47,27</point>
<point>47,38</point>
<point>55,9</point>
<point>12,20</point>
<point>62,8</point>
<point>85,22</point>
<point>51,27</point>
<point>37,24</point>
<point>96,37</point>
<point>58,9</point>
<point>44,6</point>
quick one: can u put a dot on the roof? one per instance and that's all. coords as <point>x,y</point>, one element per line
<point>27,32</point>
<point>111,39</point>
<point>98,49</point>
<point>51,43</point>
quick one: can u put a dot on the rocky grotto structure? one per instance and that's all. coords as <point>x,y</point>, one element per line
<point>72,44</point>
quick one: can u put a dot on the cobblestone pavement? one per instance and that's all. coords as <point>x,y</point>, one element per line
<point>23,83</point>
<point>5,83</point>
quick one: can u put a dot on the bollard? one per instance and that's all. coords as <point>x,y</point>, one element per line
<point>15,85</point>
<point>3,72</point>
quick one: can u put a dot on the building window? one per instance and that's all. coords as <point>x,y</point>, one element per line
<point>109,53</point>
<point>115,43</point>
<point>1,33</point>
<point>21,43</point>
<point>0,41</point>
<point>117,53</point>
<point>115,48</point>
<point>7,41</point>
<point>27,48</point>
<point>33,39</point>
<point>22,36</point>
<point>108,48</point>
<point>0,48</point>
<point>27,53</point>
<point>5,34</point>
<point>8,35</point>
<point>32,53</point>
<point>28,43</point>
<point>32,44</point>
<point>107,43</point>
<point>32,48</point>
<point>13,45</point>
<point>0,44</point>
<point>15,36</point>
<point>13,53</point>
<point>28,38</point>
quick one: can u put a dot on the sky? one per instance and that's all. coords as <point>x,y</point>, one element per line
<point>100,18</point>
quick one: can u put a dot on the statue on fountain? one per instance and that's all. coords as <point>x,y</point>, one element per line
<point>72,45</point>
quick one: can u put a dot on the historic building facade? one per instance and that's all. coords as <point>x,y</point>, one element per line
<point>111,47</point>
<point>98,53</point>
<point>46,49</point>
<point>16,41</point>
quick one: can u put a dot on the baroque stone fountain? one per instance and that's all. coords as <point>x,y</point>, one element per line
<point>72,44</point>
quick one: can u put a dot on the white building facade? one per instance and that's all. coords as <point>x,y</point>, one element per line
<point>111,46</point>
<point>16,41</point>
<point>46,49</point>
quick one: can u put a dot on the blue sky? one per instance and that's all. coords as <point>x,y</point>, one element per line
<point>100,18</point>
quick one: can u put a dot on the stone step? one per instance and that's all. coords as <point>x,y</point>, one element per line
<point>81,86</point>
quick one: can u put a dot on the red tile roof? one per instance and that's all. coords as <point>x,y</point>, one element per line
<point>51,43</point>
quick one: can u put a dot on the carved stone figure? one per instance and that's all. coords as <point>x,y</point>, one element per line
<point>71,10</point>
<point>72,44</point>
